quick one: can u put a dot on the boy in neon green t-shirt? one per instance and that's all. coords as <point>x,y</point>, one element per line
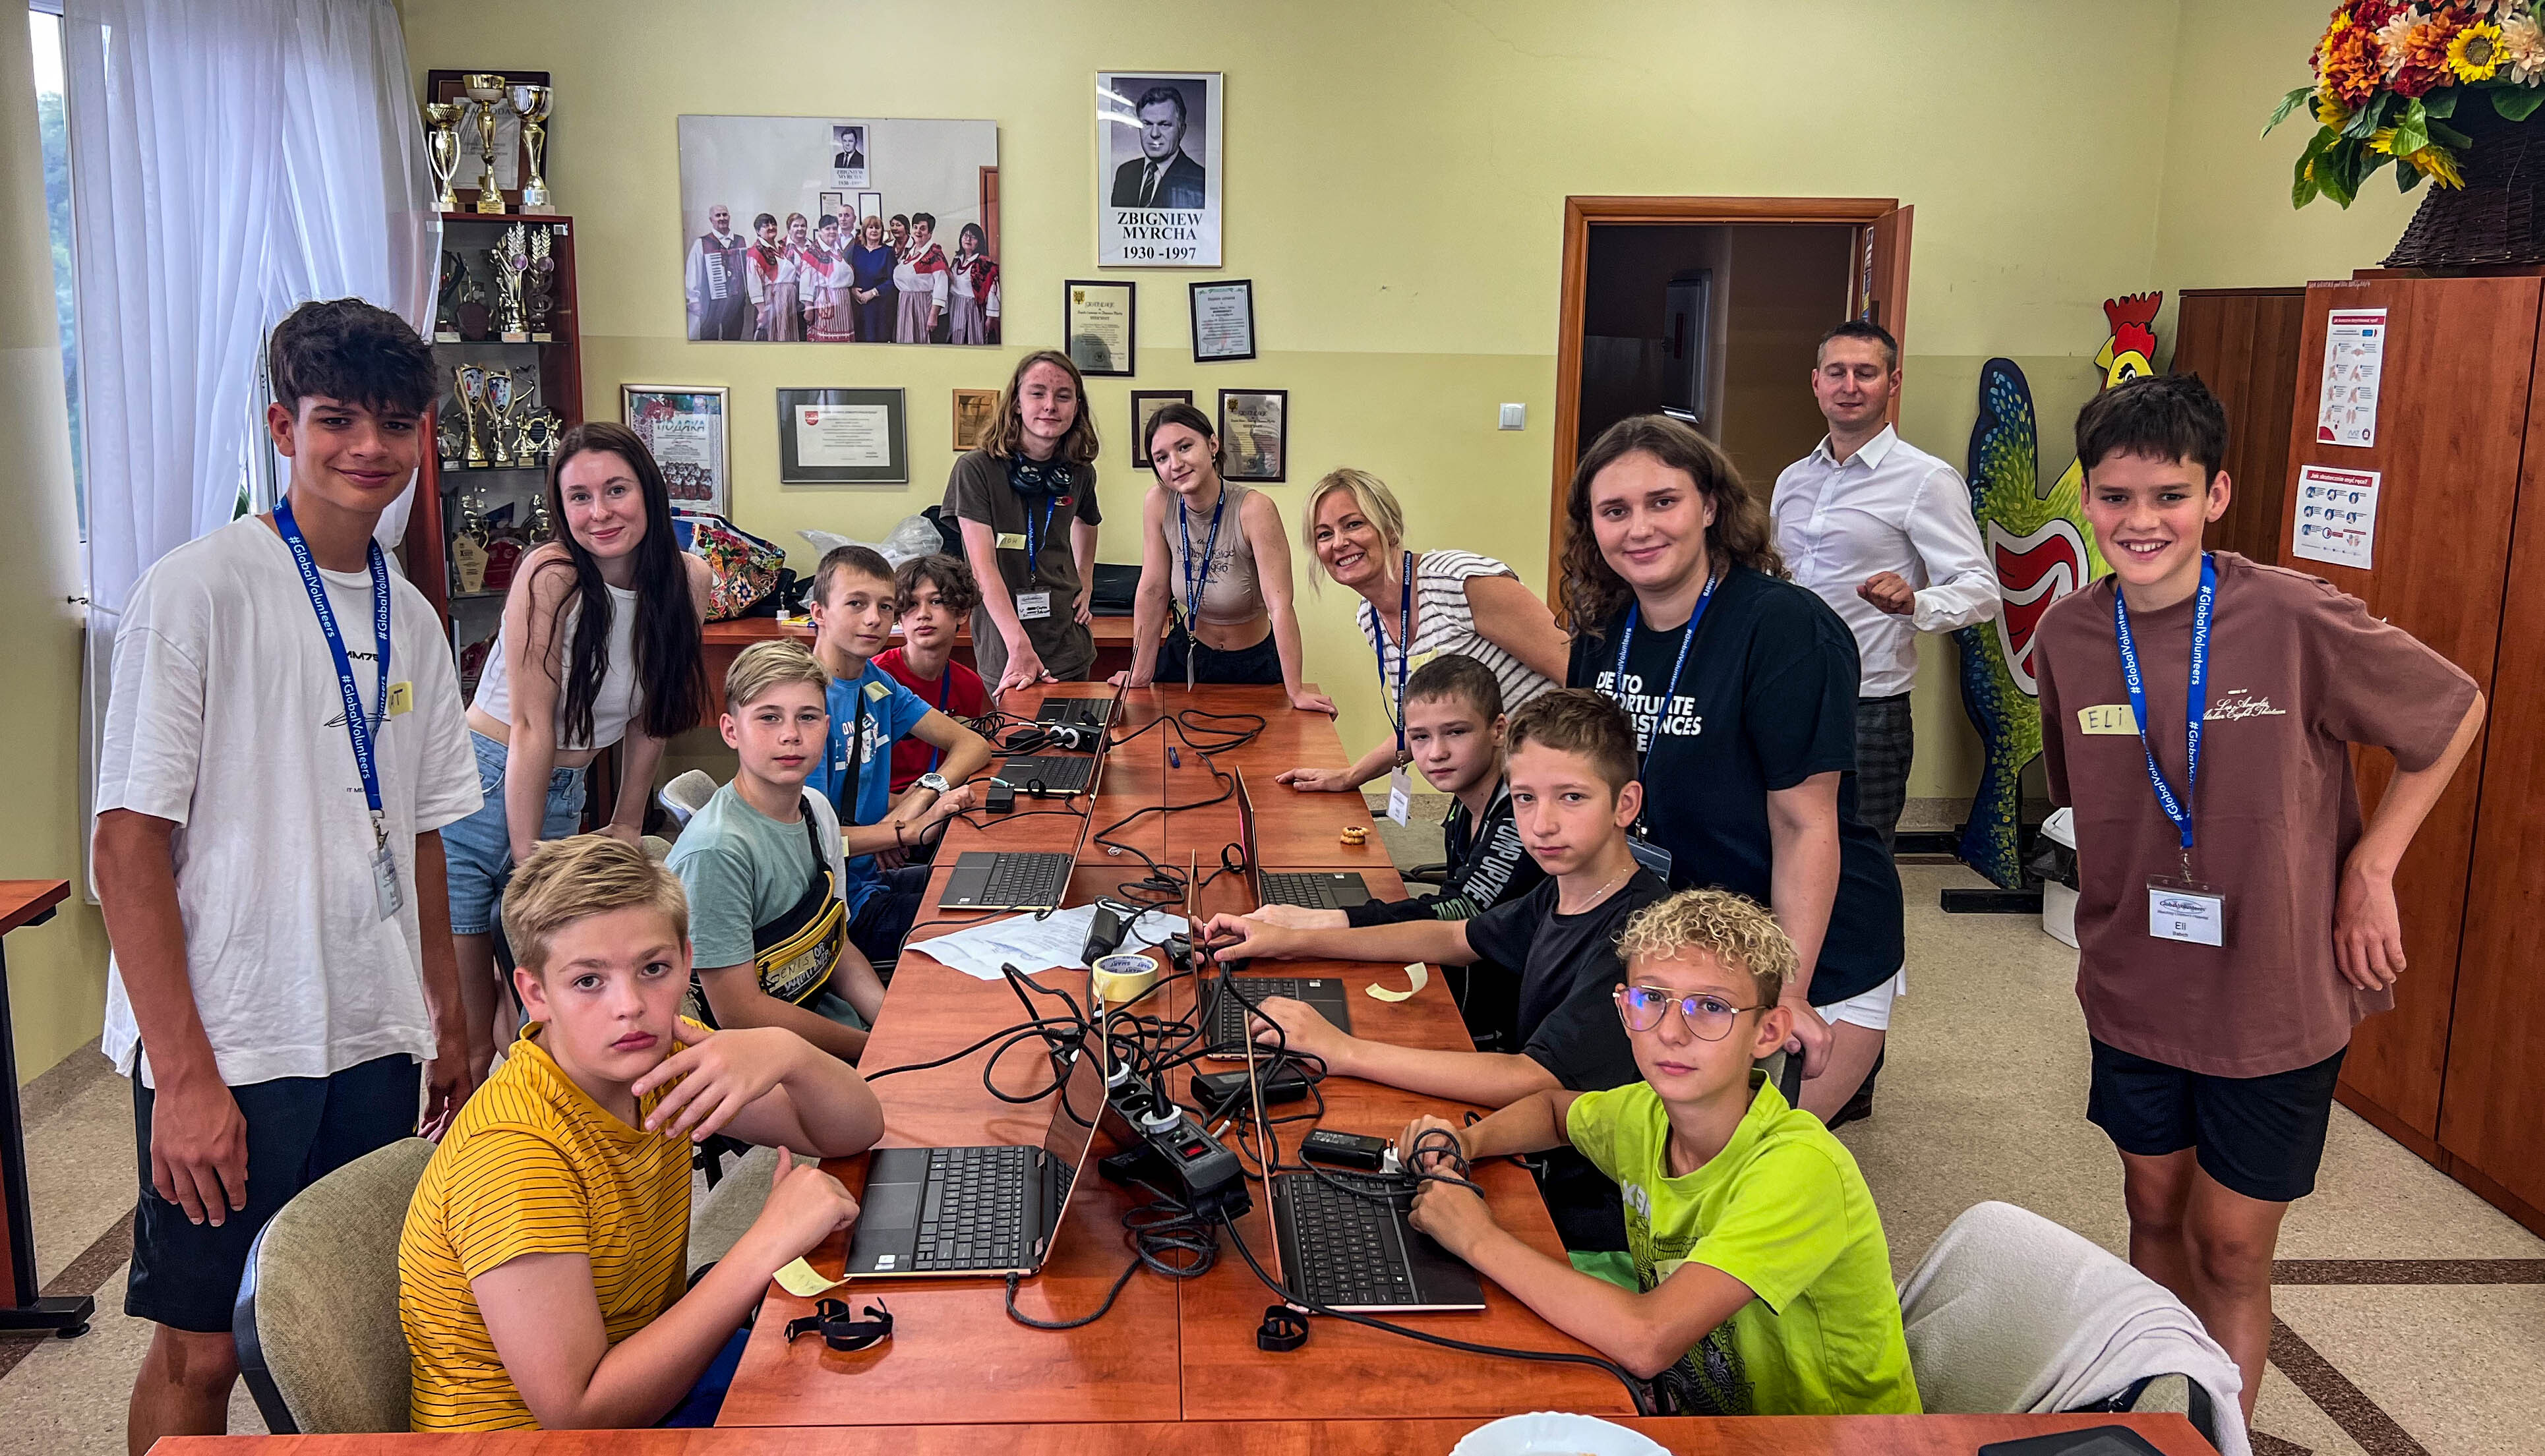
<point>1766,1283</point>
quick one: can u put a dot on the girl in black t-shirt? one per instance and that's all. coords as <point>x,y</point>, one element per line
<point>1741,687</point>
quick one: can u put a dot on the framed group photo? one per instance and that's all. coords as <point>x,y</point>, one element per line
<point>1158,177</point>
<point>842,436</point>
<point>1145,403</point>
<point>684,425</point>
<point>1254,435</point>
<point>1098,319</point>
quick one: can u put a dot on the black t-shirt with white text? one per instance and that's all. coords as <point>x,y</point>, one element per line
<point>1766,699</point>
<point>1568,1024</point>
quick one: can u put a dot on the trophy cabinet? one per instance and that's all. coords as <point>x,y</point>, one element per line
<point>509,353</point>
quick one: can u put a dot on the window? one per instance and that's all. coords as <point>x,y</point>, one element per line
<point>45,27</point>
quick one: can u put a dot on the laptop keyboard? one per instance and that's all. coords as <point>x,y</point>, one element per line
<point>1290,887</point>
<point>974,1214</point>
<point>1350,1251</point>
<point>1057,775</point>
<point>1228,1013</point>
<point>1017,878</point>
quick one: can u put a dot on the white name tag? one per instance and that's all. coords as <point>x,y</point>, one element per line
<point>1400,795</point>
<point>384,884</point>
<point>1032,605</point>
<point>2178,910</point>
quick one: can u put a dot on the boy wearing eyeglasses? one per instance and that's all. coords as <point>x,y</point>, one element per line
<point>1764,1282</point>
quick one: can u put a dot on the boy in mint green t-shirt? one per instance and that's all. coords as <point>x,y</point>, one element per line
<point>1766,1283</point>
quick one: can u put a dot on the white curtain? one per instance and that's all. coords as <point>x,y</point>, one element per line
<point>230,159</point>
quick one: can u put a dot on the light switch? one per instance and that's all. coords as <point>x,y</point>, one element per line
<point>1514,417</point>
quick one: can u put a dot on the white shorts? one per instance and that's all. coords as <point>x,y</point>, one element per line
<point>1873,1010</point>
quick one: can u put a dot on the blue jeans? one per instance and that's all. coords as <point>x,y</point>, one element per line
<point>478,849</point>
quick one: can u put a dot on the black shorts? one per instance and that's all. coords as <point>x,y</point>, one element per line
<point>2259,1136</point>
<point>1260,665</point>
<point>299,1129</point>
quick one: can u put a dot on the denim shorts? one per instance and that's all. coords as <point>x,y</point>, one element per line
<point>479,848</point>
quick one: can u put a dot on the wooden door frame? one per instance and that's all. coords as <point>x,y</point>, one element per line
<point>1580,212</point>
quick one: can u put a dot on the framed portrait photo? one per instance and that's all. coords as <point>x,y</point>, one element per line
<point>1098,318</point>
<point>842,436</point>
<point>1254,435</point>
<point>1157,180</point>
<point>512,153</point>
<point>974,409</point>
<point>684,425</point>
<point>1223,321</point>
<point>1145,403</point>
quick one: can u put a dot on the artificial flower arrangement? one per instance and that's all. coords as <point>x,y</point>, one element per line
<point>2389,74</point>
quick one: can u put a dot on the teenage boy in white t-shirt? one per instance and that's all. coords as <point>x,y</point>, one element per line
<point>282,955</point>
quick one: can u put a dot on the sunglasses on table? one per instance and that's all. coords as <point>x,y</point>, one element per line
<point>1708,1016</point>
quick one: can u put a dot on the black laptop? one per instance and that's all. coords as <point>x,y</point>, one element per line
<point>959,1212</point>
<point>1312,889</point>
<point>1084,712</point>
<point>1340,1239</point>
<point>1228,1013</point>
<point>1022,879</point>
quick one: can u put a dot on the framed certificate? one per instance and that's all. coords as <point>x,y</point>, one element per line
<point>842,436</point>
<point>684,425</point>
<point>1223,321</point>
<point>1254,435</point>
<point>1098,319</point>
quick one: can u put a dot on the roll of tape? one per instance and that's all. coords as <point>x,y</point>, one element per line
<point>1123,979</point>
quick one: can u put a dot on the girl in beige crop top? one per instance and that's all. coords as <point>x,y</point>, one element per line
<point>1214,559</point>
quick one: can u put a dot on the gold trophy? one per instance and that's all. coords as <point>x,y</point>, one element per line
<point>538,437</point>
<point>531,103</point>
<point>512,259</point>
<point>500,401</point>
<point>469,381</point>
<point>442,143</point>
<point>487,90</point>
<point>468,547</point>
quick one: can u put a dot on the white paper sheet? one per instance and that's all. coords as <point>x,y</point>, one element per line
<point>2354,355</point>
<point>2336,516</point>
<point>1038,944</point>
<point>843,436</point>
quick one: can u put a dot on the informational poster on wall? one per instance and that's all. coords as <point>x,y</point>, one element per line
<point>2336,516</point>
<point>2354,355</point>
<point>1157,150</point>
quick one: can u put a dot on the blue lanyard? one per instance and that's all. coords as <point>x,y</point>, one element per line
<point>358,726</point>
<point>945,685</point>
<point>1209,547</point>
<point>1042,534</point>
<point>1378,644</point>
<point>1687,634</point>
<point>2195,703</point>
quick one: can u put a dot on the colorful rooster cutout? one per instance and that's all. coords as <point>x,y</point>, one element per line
<point>2038,543</point>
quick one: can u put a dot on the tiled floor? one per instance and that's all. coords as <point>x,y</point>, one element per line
<point>1983,1098</point>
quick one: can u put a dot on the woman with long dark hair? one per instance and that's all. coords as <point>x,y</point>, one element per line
<point>1741,687</point>
<point>599,643</point>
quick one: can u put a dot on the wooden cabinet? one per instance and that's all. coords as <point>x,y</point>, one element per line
<point>2243,343</point>
<point>2455,1070</point>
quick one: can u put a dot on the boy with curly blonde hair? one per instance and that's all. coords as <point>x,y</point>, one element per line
<point>1764,1282</point>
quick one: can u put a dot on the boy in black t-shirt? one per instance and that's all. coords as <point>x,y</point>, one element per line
<point>1573,795</point>
<point>1453,731</point>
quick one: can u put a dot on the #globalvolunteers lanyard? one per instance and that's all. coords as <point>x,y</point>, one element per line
<point>2184,909</point>
<point>358,725</point>
<point>1193,589</point>
<point>1651,857</point>
<point>1399,784</point>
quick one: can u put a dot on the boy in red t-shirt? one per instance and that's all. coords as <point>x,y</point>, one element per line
<point>2235,916</point>
<point>937,595</point>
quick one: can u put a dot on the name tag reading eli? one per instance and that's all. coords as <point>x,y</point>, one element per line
<point>2183,909</point>
<point>2108,717</point>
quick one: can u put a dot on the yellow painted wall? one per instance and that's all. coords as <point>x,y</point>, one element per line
<point>58,970</point>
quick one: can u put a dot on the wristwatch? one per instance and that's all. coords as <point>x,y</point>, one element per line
<point>934,782</point>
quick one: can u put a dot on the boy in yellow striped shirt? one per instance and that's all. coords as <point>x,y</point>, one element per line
<point>540,1269</point>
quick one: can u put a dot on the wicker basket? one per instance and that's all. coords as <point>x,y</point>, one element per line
<point>2497,217</point>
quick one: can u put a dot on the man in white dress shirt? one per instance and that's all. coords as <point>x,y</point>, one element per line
<point>1884,532</point>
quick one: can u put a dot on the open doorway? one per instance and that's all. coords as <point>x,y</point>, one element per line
<point>1711,309</point>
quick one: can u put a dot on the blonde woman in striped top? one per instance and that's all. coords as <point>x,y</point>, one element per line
<point>1456,602</point>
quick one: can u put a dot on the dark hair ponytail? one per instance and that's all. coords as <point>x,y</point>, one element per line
<point>671,659</point>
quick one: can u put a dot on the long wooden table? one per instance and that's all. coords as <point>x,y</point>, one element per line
<point>1757,1435</point>
<point>726,639</point>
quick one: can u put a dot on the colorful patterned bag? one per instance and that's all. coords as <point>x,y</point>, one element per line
<point>746,567</point>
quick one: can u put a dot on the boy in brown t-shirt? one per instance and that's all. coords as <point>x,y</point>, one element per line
<point>2235,918</point>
